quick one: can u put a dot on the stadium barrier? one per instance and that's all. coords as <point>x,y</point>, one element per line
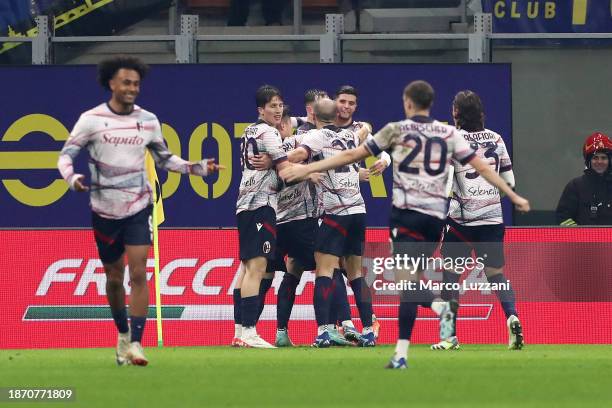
<point>478,43</point>
<point>53,291</point>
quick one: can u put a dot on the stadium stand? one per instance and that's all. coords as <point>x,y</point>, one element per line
<point>375,16</point>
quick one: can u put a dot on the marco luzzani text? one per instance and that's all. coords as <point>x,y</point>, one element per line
<point>401,263</point>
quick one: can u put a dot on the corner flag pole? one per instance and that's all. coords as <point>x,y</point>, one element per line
<point>158,308</point>
<point>158,218</point>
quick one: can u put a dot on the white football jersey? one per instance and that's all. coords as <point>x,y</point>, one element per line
<point>353,126</point>
<point>475,201</point>
<point>259,188</point>
<point>421,149</point>
<point>304,128</point>
<point>341,193</point>
<point>116,144</point>
<point>298,201</point>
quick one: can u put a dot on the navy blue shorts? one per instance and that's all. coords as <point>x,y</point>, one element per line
<point>257,233</point>
<point>487,242</point>
<point>112,235</point>
<point>341,235</point>
<point>420,232</point>
<point>296,239</point>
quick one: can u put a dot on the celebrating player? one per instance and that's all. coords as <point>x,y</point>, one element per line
<point>342,231</point>
<point>299,207</point>
<point>475,219</point>
<point>346,105</point>
<point>310,97</point>
<point>116,135</point>
<point>296,220</point>
<point>421,149</point>
<point>256,208</point>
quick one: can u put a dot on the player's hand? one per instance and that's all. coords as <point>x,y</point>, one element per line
<point>212,167</point>
<point>295,172</point>
<point>315,177</point>
<point>378,167</point>
<point>364,130</point>
<point>366,125</point>
<point>78,184</point>
<point>261,162</point>
<point>522,204</point>
<point>364,174</point>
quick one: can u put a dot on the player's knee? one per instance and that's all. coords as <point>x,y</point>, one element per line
<point>256,267</point>
<point>113,282</point>
<point>353,273</point>
<point>326,264</point>
<point>138,277</point>
<point>114,275</point>
<point>294,267</point>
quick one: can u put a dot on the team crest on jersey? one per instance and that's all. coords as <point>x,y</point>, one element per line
<point>259,225</point>
<point>267,247</point>
<point>139,126</point>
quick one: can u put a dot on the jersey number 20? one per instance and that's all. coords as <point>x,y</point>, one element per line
<point>405,164</point>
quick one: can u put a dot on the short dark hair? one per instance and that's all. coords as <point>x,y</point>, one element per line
<point>108,68</point>
<point>286,113</point>
<point>311,95</point>
<point>421,93</point>
<point>470,111</point>
<point>347,89</point>
<point>265,93</point>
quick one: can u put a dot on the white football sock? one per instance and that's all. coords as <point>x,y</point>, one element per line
<point>438,306</point>
<point>401,349</point>
<point>348,323</point>
<point>237,330</point>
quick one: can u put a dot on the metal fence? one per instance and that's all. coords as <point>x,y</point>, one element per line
<point>330,42</point>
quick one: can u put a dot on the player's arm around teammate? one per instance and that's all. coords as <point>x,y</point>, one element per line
<point>299,172</point>
<point>256,209</point>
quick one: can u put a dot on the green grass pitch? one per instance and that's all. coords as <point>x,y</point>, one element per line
<point>475,376</point>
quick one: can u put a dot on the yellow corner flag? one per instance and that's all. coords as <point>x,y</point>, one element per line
<point>158,218</point>
<point>157,193</point>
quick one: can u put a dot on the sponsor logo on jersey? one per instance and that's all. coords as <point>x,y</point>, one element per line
<point>121,140</point>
